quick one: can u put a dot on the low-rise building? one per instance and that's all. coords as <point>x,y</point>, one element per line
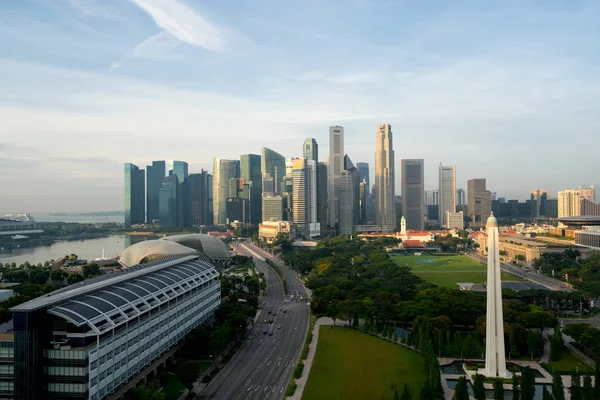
<point>589,237</point>
<point>455,220</point>
<point>269,230</point>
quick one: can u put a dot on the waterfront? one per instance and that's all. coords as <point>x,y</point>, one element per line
<point>82,218</point>
<point>87,248</point>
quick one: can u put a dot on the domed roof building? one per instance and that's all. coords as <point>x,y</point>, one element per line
<point>207,247</point>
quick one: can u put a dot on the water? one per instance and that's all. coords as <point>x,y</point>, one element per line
<point>454,368</point>
<point>113,246</point>
<point>489,394</point>
<point>75,217</point>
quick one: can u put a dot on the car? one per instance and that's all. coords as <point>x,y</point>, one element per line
<point>265,332</point>
<point>274,314</point>
<point>265,322</point>
<point>271,321</point>
<point>278,326</point>
<point>269,312</point>
<point>270,332</point>
<point>285,311</point>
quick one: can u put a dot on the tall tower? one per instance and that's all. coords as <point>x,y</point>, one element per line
<point>385,208</point>
<point>495,362</point>
<point>447,192</point>
<point>184,208</point>
<point>250,172</point>
<point>413,193</point>
<point>480,202</point>
<point>223,171</point>
<point>336,166</point>
<point>345,204</point>
<point>311,150</point>
<point>273,163</point>
<point>135,210</point>
<point>304,197</point>
<point>155,174</point>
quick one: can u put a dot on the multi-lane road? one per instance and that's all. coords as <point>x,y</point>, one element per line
<point>263,366</point>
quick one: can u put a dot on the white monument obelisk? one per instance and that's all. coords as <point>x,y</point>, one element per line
<point>495,361</point>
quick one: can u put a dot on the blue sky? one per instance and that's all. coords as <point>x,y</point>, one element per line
<point>508,91</point>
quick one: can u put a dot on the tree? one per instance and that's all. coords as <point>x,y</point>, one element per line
<point>427,393</point>
<point>74,277</point>
<point>57,275</point>
<point>406,393</point>
<point>587,392</point>
<point>460,391</point>
<point>527,384</point>
<point>498,389</point>
<point>187,372</point>
<point>531,345</point>
<point>514,351</point>
<point>546,395</point>
<point>575,387</point>
<point>478,388</point>
<point>556,345</point>
<point>597,381</point>
<point>558,390</point>
<point>149,392</point>
<point>90,270</point>
<point>516,388</point>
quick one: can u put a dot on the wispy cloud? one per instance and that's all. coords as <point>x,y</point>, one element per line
<point>185,23</point>
<point>94,9</point>
<point>158,47</point>
<point>343,79</point>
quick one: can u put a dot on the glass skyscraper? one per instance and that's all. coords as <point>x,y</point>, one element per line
<point>155,174</point>
<point>135,211</point>
<point>180,169</point>
<point>223,171</point>
<point>311,150</point>
<point>200,186</point>
<point>168,202</point>
<point>363,170</point>
<point>250,172</point>
<point>273,163</point>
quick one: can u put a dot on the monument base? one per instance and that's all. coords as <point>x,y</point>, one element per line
<point>485,373</point>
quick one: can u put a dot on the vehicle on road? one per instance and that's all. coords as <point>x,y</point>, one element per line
<point>278,326</point>
<point>265,322</point>
<point>271,321</point>
<point>269,312</point>
<point>265,332</point>
<point>285,311</point>
<point>270,332</point>
<point>274,314</point>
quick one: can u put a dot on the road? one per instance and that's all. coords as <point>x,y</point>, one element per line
<point>263,366</point>
<point>544,280</point>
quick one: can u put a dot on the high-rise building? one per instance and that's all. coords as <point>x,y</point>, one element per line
<point>322,194</point>
<point>461,198</point>
<point>480,203</point>
<point>180,168</point>
<point>273,163</point>
<point>346,203</point>
<point>454,220</point>
<point>201,187</point>
<point>413,192</point>
<point>540,197</point>
<point>304,197</point>
<point>432,198</point>
<point>168,202</point>
<point>589,207</point>
<point>447,193</point>
<point>250,172</point>
<point>268,185</point>
<point>363,202</point>
<point>355,175</point>
<point>272,207</point>
<point>385,177</point>
<point>569,203</point>
<point>311,150</point>
<point>363,170</point>
<point>223,171</point>
<point>336,166</point>
<point>587,193</point>
<point>135,210</point>
<point>155,174</point>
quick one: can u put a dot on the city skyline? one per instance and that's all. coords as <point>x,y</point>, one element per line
<point>132,82</point>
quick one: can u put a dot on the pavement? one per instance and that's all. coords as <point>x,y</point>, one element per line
<point>264,364</point>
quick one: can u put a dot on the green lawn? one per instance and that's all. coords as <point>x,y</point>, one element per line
<point>353,365</point>
<point>568,363</point>
<point>172,387</point>
<point>447,271</point>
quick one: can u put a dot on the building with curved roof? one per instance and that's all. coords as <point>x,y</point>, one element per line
<point>577,222</point>
<point>214,248</point>
<point>153,250</point>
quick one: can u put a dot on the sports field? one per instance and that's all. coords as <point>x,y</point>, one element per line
<point>447,271</point>
<point>350,364</point>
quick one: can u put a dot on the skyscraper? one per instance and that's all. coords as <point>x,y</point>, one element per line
<point>336,166</point>
<point>304,197</point>
<point>346,204</point>
<point>541,197</point>
<point>363,170</point>
<point>250,172</point>
<point>480,203</point>
<point>135,210</point>
<point>460,197</point>
<point>322,202</point>
<point>268,185</point>
<point>155,174</point>
<point>385,208</point>
<point>223,171</point>
<point>587,193</point>
<point>413,192</point>
<point>180,168</point>
<point>273,163</point>
<point>569,203</point>
<point>201,187</point>
<point>311,150</point>
<point>272,207</point>
<point>168,202</point>
<point>447,193</point>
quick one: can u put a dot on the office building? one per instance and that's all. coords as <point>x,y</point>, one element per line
<point>272,207</point>
<point>355,175</point>
<point>155,174</point>
<point>336,166</point>
<point>250,172</point>
<point>413,192</point>
<point>447,193</point>
<point>273,163</point>
<point>363,170</point>
<point>588,207</point>
<point>588,236</point>
<point>479,204</point>
<point>135,210</point>
<point>364,199</point>
<point>540,197</point>
<point>461,197</point>
<point>385,177</point>
<point>87,341</point>
<point>201,198</point>
<point>588,193</point>
<point>346,204</point>
<point>271,230</point>
<point>223,171</point>
<point>304,197</point>
<point>455,220</point>
<point>180,169</point>
<point>237,210</point>
<point>569,203</point>
<point>268,185</point>
<point>322,202</point>
<point>310,150</point>
<point>432,198</point>
<point>168,202</point>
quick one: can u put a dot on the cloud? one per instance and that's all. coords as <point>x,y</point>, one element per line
<point>158,47</point>
<point>94,9</point>
<point>185,24</point>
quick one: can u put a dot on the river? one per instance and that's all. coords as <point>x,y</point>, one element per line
<point>85,249</point>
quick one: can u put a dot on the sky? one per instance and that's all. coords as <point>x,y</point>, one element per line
<point>508,91</point>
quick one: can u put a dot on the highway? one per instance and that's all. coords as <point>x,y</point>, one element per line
<point>263,366</point>
<point>544,280</point>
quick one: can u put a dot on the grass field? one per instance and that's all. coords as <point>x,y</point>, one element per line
<point>353,365</point>
<point>447,271</point>
<point>569,363</point>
